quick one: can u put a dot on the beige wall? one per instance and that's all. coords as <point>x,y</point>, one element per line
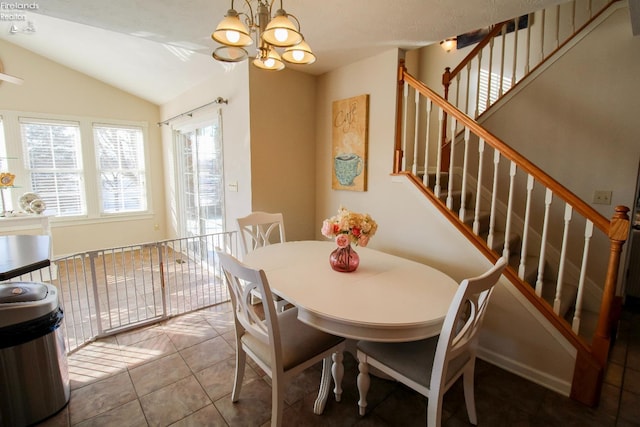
<point>282,111</point>
<point>54,89</point>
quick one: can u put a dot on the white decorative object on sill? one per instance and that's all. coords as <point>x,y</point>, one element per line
<point>26,199</point>
<point>37,206</point>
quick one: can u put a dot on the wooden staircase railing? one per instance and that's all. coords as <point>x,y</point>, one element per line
<point>517,53</point>
<point>561,244</point>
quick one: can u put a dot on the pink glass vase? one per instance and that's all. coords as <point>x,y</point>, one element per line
<point>344,259</point>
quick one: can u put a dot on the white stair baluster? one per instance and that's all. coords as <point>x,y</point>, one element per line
<point>476,112</point>
<point>543,241</point>
<point>507,228</point>
<point>494,199</point>
<point>528,48</point>
<point>463,201</point>
<point>588,232</point>
<point>404,127</point>
<point>489,75</point>
<point>525,229</point>
<point>436,188</point>
<point>452,146</point>
<point>414,168</point>
<point>514,70</point>
<point>466,105</point>
<point>568,212</point>
<point>476,215</point>
<point>502,61</point>
<point>425,178</point>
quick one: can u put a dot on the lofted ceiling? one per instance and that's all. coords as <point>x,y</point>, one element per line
<point>158,49</point>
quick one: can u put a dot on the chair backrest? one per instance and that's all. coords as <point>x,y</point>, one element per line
<point>257,227</point>
<point>458,338</point>
<point>242,281</point>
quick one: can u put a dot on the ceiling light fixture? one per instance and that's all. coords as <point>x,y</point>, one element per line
<point>448,44</point>
<point>281,32</point>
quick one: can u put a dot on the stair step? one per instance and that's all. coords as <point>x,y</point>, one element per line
<point>444,179</point>
<point>456,198</point>
<point>483,221</point>
<point>567,296</point>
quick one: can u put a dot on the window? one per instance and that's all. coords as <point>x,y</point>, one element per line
<point>53,160</point>
<point>82,168</point>
<point>490,88</point>
<point>121,167</point>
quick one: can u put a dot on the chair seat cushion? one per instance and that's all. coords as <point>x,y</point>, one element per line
<point>413,359</point>
<point>300,342</point>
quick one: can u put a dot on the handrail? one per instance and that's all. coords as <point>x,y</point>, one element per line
<point>580,205</point>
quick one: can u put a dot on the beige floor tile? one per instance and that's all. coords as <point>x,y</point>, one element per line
<point>100,397</point>
<point>136,335</point>
<point>128,415</point>
<point>158,373</point>
<point>141,352</point>
<point>174,402</point>
<point>222,321</point>
<point>217,380</point>
<point>94,362</point>
<point>184,333</point>
<point>253,407</point>
<point>207,353</point>
<point>207,416</point>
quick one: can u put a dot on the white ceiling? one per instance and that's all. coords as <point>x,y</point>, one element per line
<point>158,49</point>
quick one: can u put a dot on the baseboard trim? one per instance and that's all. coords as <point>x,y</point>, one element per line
<point>524,371</point>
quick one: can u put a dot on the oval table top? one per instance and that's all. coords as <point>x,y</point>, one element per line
<point>388,298</point>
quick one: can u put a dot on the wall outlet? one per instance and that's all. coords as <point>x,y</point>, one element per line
<point>602,197</point>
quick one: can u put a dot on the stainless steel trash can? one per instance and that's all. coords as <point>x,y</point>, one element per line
<point>34,379</point>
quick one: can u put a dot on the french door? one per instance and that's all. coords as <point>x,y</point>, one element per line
<point>200,178</point>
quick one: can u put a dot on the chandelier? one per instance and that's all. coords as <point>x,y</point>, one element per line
<point>271,35</point>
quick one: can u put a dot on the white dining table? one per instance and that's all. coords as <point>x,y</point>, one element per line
<point>387,299</point>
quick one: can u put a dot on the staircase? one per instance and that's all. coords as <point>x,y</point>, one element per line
<point>506,206</point>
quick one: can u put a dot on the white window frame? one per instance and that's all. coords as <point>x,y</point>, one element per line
<point>13,145</point>
<point>142,171</point>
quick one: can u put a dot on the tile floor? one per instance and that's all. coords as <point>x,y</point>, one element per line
<point>180,373</point>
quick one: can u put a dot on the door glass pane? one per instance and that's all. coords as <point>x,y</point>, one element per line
<point>202,185</point>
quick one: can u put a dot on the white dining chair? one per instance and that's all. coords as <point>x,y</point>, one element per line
<point>431,366</point>
<point>277,341</point>
<point>260,229</point>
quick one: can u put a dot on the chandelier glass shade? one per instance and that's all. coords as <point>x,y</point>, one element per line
<point>238,31</point>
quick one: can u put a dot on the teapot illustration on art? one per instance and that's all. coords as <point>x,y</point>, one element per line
<point>347,168</point>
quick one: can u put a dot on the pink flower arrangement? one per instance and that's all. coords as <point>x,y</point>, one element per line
<point>348,227</point>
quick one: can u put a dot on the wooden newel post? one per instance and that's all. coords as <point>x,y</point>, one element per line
<point>397,156</point>
<point>618,232</point>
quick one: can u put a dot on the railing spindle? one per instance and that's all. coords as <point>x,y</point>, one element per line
<point>463,201</point>
<point>425,177</point>
<point>450,168</point>
<point>507,229</point>
<point>476,216</point>
<point>557,302</point>
<point>543,242</point>
<point>494,199</point>
<point>404,127</point>
<point>525,229</point>
<point>414,167</point>
<point>588,233</point>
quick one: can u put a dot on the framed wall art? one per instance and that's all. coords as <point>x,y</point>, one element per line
<point>350,138</point>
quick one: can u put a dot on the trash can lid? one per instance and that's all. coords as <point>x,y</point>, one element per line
<point>22,292</point>
<point>25,301</point>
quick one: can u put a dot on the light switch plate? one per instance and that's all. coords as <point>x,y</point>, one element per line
<point>602,197</point>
